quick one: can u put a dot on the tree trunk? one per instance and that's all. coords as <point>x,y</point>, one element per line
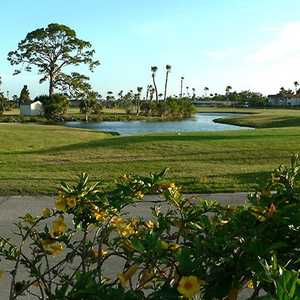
<point>181,88</point>
<point>155,87</point>
<point>51,85</point>
<point>166,85</point>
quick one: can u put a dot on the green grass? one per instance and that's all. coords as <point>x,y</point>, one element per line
<point>260,118</point>
<point>34,158</point>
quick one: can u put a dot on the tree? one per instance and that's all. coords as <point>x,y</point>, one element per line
<point>228,89</point>
<point>120,94</point>
<point>24,95</point>
<point>3,100</point>
<point>149,87</point>
<point>194,93</point>
<point>206,89</point>
<point>168,70</point>
<point>181,87</point>
<point>154,70</point>
<point>296,84</point>
<point>54,106</point>
<point>51,49</point>
<point>77,86</point>
<point>187,91</point>
<point>138,99</point>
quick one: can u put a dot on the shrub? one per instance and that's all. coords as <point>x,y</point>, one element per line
<point>194,249</point>
<point>54,106</point>
<point>171,108</point>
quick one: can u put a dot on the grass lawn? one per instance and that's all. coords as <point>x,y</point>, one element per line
<point>259,118</point>
<point>34,158</point>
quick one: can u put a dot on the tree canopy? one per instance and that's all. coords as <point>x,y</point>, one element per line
<point>51,49</point>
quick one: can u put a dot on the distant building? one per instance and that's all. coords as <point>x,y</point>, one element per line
<point>276,100</point>
<point>32,109</point>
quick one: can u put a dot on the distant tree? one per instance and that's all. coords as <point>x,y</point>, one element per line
<point>149,87</point>
<point>138,99</point>
<point>206,89</point>
<point>296,84</point>
<point>187,91</point>
<point>151,91</point>
<point>3,100</point>
<point>181,87</point>
<point>285,93</point>
<point>168,70</point>
<point>51,49</point>
<point>24,95</point>
<point>77,87</point>
<point>194,93</point>
<point>154,70</point>
<point>120,94</point>
<point>55,106</point>
<point>228,89</point>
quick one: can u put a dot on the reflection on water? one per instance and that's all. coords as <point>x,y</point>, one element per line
<point>200,122</point>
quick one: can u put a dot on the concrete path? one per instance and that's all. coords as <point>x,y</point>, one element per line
<point>15,206</point>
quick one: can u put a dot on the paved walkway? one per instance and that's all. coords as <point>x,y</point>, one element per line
<point>15,206</point>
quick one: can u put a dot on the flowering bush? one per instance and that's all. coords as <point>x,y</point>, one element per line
<point>87,247</point>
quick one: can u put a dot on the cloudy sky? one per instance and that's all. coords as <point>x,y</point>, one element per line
<point>248,44</point>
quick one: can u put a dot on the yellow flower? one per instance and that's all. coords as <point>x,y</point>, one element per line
<point>2,273</point>
<point>56,249</point>
<point>46,212</point>
<point>52,247</point>
<point>126,230</point>
<point>139,195</point>
<point>98,253</point>
<point>98,214</point>
<point>189,286</point>
<point>71,201</point>
<point>250,284</point>
<point>60,203</point>
<point>117,221</point>
<point>58,227</point>
<point>125,277</point>
<point>150,224</point>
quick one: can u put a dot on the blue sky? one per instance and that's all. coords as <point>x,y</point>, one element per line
<point>248,44</point>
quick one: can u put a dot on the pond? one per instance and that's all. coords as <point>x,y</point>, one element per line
<point>199,122</point>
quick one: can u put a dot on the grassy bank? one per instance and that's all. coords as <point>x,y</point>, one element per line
<point>34,159</point>
<point>259,118</point>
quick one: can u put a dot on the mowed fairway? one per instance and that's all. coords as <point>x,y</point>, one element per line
<point>34,159</point>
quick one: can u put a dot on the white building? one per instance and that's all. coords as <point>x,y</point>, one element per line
<point>276,100</point>
<point>32,109</point>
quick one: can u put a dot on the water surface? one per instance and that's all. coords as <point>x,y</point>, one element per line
<point>199,122</point>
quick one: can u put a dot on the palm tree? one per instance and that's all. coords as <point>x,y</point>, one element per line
<point>139,91</point>
<point>121,95</point>
<point>154,70</point>
<point>168,70</point>
<point>206,89</point>
<point>160,95</point>
<point>296,84</point>
<point>149,87</point>
<point>194,93</point>
<point>181,87</point>
<point>187,91</point>
<point>228,89</point>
